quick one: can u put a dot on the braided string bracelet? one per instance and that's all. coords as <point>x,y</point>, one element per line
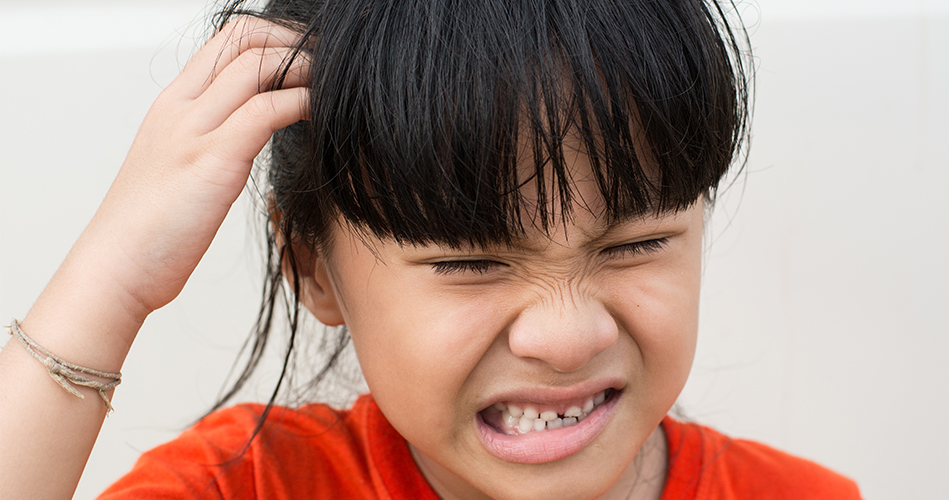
<point>65,373</point>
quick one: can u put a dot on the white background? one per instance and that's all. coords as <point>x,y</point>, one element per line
<point>824,326</point>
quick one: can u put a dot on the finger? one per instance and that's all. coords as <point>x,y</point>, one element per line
<point>254,72</point>
<point>227,45</point>
<point>245,133</point>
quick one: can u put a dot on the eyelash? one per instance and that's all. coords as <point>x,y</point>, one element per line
<point>639,248</point>
<point>464,266</point>
<point>483,266</point>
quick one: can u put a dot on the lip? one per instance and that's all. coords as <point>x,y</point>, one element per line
<point>551,445</point>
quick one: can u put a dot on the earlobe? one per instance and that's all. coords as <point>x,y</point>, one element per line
<point>317,292</point>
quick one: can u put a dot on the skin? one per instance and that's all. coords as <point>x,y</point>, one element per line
<point>557,310</point>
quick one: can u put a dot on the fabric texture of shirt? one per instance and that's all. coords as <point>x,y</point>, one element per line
<point>317,452</point>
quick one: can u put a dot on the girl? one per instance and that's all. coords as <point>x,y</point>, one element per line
<point>503,205</point>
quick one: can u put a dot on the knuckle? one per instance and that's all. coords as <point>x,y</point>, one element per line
<point>264,64</point>
<point>249,59</point>
<point>238,33</point>
<point>259,107</point>
<point>238,25</point>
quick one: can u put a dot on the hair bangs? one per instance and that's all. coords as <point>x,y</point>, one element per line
<point>430,118</point>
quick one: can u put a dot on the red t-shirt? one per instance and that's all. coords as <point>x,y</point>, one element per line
<point>317,452</point>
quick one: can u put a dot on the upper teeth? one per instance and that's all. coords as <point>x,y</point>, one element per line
<point>527,418</point>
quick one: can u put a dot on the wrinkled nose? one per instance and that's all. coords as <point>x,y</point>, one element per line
<point>565,334</point>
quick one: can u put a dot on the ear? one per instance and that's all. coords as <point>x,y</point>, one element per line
<point>317,292</point>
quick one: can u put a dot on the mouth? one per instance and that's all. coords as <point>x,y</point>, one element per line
<point>514,419</point>
<point>530,433</point>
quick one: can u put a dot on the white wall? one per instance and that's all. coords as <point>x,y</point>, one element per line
<point>824,326</point>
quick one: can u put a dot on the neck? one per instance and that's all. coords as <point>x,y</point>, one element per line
<point>645,477</point>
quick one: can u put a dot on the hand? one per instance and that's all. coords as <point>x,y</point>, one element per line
<point>191,159</point>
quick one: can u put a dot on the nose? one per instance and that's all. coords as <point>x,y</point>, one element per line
<point>565,334</point>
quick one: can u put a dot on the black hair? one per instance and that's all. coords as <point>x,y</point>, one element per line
<point>421,112</point>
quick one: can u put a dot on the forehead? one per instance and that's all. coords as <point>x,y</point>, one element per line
<point>581,230</point>
<point>583,227</point>
<point>576,177</point>
<point>586,223</point>
<point>585,215</point>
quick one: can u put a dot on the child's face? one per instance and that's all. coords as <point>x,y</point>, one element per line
<point>549,324</point>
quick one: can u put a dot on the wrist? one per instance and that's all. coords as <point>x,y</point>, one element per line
<point>84,315</point>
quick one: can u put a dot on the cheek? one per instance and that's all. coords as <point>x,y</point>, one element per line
<point>666,327</point>
<point>659,311</point>
<point>673,308</point>
<point>417,348</point>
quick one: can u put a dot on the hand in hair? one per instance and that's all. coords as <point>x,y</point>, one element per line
<point>188,164</point>
<point>193,153</point>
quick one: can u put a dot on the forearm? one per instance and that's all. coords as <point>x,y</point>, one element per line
<point>47,434</point>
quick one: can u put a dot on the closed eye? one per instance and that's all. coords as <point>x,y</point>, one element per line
<point>464,266</point>
<point>638,248</point>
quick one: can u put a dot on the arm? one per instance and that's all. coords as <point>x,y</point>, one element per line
<point>188,164</point>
